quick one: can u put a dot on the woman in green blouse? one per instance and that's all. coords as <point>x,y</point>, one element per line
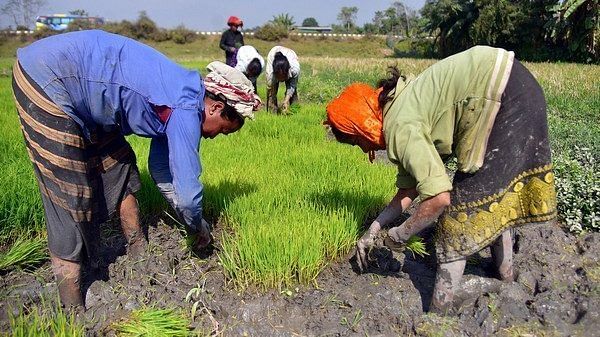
<point>482,107</point>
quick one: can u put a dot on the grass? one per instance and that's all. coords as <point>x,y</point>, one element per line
<point>150,322</point>
<point>288,200</point>
<point>531,329</point>
<point>24,253</point>
<point>47,320</point>
<point>434,325</point>
<point>287,212</point>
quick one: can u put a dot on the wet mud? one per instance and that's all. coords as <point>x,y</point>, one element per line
<point>556,292</point>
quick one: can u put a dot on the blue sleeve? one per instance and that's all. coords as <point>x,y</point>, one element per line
<point>158,165</point>
<point>183,145</point>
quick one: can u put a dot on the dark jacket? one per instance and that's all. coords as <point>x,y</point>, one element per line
<point>231,39</point>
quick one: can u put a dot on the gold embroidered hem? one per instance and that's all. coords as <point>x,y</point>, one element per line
<point>469,227</point>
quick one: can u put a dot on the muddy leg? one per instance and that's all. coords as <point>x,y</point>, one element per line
<point>447,280</point>
<point>68,277</point>
<point>502,255</point>
<point>272,97</point>
<point>130,222</point>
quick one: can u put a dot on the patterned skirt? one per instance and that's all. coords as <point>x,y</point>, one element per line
<point>515,185</point>
<point>81,181</point>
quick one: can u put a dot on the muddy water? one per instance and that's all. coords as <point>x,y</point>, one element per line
<point>557,292</point>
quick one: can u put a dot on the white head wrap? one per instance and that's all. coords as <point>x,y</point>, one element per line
<point>234,86</point>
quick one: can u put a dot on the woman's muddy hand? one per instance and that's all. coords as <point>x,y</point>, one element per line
<point>364,246</point>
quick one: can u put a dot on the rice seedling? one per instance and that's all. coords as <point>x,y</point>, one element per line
<point>47,320</point>
<point>416,245</point>
<point>290,200</point>
<point>149,322</point>
<point>24,253</point>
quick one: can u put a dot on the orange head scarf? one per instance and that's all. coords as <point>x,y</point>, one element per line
<point>356,112</point>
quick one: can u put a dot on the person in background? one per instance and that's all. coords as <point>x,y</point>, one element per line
<point>250,63</point>
<point>494,123</point>
<point>77,95</point>
<point>282,66</point>
<point>232,39</point>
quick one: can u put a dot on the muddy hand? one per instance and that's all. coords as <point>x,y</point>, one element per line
<point>285,105</point>
<point>363,247</point>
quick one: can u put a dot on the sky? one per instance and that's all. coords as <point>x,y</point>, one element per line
<point>212,15</point>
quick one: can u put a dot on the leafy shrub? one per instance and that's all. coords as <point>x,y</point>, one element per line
<point>578,190</point>
<point>414,47</point>
<point>3,37</point>
<point>422,47</point>
<point>80,24</point>
<point>43,33</point>
<point>144,27</point>
<point>182,35</point>
<point>161,35</point>
<point>271,32</point>
<point>125,28</point>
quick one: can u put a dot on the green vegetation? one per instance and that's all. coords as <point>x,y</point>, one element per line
<point>434,325</point>
<point>536,30</point>
<point>24,253</point>
<point>271,32</point>
<point>151,322</point>
<point>416,246</point>
<point>289,200</point>
<point>296,204</point>
<point>47,320</point>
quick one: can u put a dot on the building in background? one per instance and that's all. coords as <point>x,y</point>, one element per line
<point>62,21</point>
<point>315,29</point>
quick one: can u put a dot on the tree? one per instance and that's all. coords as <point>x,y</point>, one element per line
<point>284,20</point>
<point>576,25</point>
<point>395,19</point>
<point>144,27</point>
<point>378,22</point>
<point>450,22</point>
<point>404,14</point>
<point>22,12</point>
<point>347,16</point>
<point>310,22</point>
<point>496,23</point>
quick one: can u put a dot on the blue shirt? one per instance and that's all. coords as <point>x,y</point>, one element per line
<point>108,81</point>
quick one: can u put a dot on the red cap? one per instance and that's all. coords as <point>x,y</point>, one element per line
<point>234,21</point>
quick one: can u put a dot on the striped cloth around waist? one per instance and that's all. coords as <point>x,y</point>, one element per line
<point>67,165</point>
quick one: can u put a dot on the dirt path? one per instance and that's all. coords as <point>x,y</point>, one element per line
<point>557,292</point>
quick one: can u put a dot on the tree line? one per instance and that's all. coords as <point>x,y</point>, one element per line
<point>538,30</point>
<point>535,29</point>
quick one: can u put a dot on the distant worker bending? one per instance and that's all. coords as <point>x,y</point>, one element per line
<point>250,63</point>
<point>282,66</point>
<point>232,39</point>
